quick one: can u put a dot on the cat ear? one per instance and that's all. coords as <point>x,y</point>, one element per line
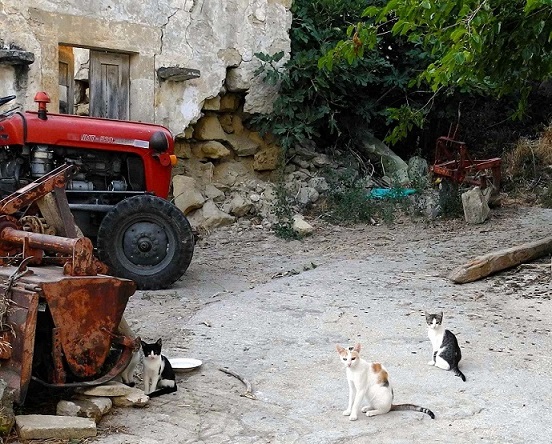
<point>143,343</point>
<point>441,315</point>
<point>339,348</point>
<point>159,342</point>
<point>357,347</point>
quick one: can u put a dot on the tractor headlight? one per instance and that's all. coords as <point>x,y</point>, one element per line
<point>159,142</point>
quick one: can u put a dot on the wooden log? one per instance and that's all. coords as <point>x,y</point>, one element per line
<point>483,266</point>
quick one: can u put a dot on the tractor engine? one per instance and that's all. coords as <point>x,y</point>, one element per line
<point>97,170</point>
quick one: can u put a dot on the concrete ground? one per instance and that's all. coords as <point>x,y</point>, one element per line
<point>272,311</point>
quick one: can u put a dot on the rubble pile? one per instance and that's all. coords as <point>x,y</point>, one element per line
<point>227,173</point>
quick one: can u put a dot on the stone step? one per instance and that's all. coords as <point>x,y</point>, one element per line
<point>52,426</point>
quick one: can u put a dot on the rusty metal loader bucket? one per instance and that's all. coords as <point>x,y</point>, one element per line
<point>64,329</point>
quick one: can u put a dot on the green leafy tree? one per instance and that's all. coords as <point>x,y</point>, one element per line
<point>322,105</point>
<point>489,47</point>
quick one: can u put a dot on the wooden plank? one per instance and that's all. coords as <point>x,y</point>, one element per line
<point>483,266</point>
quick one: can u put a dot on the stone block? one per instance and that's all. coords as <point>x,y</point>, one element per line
<point>267,158</point>
<point>201,171</point>
<point>239,206</point>
<point>242,144</point>
<point>84,408</point>
<point>307,195</point>
<point>54,427</point>
<point>210,150</point>
<point>319,183</point>
<point>213,193</point>
<point>182,149</point>
<point>238,80</point>
<point>237,124</point>
<point>226,122</point>
<point>418,169</point>
<point>103,404</point>
<point>135,398</point>
<point>209,128</point>
<point>229,174</point>
<point>212,104</point>
<point>229,103</point>
<point>209,217</point>
<point>230,56</point>
<point>112,388</point>
<point>187,196</point>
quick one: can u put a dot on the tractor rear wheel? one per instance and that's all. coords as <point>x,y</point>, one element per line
<point>146,239</point>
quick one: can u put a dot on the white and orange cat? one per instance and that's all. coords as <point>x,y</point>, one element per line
<point>370,381</point>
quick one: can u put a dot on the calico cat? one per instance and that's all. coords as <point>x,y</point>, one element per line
<point>370,381</point>
<point>159,377</point>
<point>446,351</point>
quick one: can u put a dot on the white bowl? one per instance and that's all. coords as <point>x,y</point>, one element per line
<point>184,364</point>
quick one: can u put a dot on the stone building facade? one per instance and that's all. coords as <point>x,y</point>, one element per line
<point>168,57</point>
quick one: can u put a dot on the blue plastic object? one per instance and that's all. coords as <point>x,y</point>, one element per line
<point>390,193</point>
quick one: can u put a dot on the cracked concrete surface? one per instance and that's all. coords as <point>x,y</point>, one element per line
<point>272,311</point>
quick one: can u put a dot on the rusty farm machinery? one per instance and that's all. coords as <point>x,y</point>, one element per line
<point>60,313</point>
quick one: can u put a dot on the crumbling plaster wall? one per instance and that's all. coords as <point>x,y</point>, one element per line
<point>217,37</point>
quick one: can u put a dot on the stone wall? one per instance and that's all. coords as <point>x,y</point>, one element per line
<point>224,168</point>
<point>217,37</point>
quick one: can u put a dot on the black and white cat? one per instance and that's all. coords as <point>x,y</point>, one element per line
<point>446,351</point>
<point>158,374</point>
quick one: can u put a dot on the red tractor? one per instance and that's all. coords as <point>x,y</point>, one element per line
<point>118,196</point>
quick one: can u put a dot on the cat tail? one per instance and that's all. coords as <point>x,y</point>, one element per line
<point>162,391</point>
<point>414,407</point>
<point>458,373</point>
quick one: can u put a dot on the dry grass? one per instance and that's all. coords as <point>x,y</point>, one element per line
<point>530,159</point>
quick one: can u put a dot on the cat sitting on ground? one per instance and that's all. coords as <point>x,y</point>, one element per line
<point>370,381</point>
<point>158,374</point>
<point>446,351</point>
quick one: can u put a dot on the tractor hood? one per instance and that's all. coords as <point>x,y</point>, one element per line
<point>91,132</point>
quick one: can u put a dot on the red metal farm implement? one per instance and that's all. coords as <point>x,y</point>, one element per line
<point>454,162</point>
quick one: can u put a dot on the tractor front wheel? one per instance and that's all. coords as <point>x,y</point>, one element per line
<point>146,239</point>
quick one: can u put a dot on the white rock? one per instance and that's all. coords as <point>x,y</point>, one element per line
<point>112,388</point>
<point>135,398</point>
<point>476,209</point>
<point>301,227</point>
<point>84,408</point>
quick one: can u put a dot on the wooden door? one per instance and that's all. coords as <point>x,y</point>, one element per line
<point>66,80</point>
<point>109,85</point>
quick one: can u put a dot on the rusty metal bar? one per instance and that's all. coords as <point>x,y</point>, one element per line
<point>81,249</point>
<point>19,199</point>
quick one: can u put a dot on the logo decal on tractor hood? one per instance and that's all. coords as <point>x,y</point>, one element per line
<point>114,140</point>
